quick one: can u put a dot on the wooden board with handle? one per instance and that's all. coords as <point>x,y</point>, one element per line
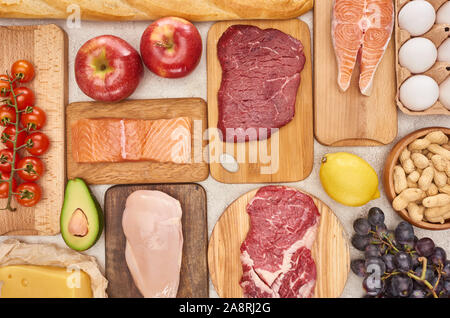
<point>194,281</point>
<point>330,250</point>
<point>45,46</point>
<point>350,118</point>
<point>141,171</point>
<point>294,159</point>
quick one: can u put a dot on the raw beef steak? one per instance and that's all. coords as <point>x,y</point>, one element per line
<point>276,254</point>
<point>260,78</point>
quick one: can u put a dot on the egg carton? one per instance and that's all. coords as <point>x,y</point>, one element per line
<point>439,71</point>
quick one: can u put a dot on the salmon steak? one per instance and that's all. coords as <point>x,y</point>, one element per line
<point>361,31</point>
<point>117,140</point>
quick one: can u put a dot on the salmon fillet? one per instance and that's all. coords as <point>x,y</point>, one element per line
<point>118,140</point>
<point>361,30</point>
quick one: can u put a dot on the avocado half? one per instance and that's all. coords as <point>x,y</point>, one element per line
<point>81,216</point>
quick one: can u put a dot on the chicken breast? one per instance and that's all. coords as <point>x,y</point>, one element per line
<point>152,226</point>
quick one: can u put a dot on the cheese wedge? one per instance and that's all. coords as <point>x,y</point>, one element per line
<point>30,281</point>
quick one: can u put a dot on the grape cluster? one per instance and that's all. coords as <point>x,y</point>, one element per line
<point>396,263</point>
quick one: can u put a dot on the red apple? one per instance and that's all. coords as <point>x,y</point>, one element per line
<point>171,47</point>
<point>108,69</point>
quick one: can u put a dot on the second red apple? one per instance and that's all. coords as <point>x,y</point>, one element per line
<point>171,47</point>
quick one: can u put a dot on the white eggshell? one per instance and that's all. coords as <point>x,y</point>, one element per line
<point>418,55</point>
<point>417,17</point>
<point>444,93</point>
<point>419,92</point>
<point>444,51</point>
<point>443,14</point>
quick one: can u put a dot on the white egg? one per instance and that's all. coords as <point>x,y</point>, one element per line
<point>417,17</point>
<point>444,51</point>
<point>419,92</point>
<point>443,14</point>
<point>418,55</point>
<point>444,93</point>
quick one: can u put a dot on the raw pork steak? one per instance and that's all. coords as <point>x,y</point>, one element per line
<point>276,257</point>
<point>260,78</point>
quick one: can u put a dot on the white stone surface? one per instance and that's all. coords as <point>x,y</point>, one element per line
<point>220,195</point>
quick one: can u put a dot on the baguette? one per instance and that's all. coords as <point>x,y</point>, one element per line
<point>133,10</point>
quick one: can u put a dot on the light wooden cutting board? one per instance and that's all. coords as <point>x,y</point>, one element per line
<point>350,118</point>
<point>194,281</point>
<point>294,160</point>
<point>46,47</point>
<point>330,250</point>
<point>141,171</point>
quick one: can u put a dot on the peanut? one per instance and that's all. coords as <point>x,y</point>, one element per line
<point>445,189</point>
<point>440,178</point>
<point>414,176</point>
<point>400,183</point>
<point>419,144</point>
<point>432,190</point>
<point>436,211</point>
<point>406,196</point>
<point>420,161</point>
<point>415,212</point>
<point>437,137</point>
<point>408,166</point>
<point>438,162</point>
<point>434,148</point>
<point>426,178</point>
<point>437,200</point>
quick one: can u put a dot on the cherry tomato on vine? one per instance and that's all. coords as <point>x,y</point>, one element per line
<point>31,168</point>
<point>28,194</point>
<point>9,135</point>
<point>23,70</point>
<point>6,158</point>
<point>4,185</point>
<point>24,96</point>
<point>7,115</point>
<point>37,143</point>
<point>33,120</point>
<point>5,86</point>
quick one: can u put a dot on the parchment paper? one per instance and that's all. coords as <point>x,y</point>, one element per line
<point>14,252</point>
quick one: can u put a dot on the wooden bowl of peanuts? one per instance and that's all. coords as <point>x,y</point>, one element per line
<point>416,178</point>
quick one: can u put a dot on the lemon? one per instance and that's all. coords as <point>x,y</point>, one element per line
<point>348,179</point>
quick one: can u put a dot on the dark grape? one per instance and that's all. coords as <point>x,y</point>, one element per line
<point>361,226</point>
<point>381,230</point>
<point>375,265</point>
<point>418,293</point>
<point>389,261</point>
<point>425,246</point>
<point>403,261</point>
<point>439,256</point>
<point>429,273</point>
<point>407,246</point>
<point>373,286</point>
<point>376,216</point>
<point>446,269</point>
<point>438,287</point>
<point>404,233</point>
<point>447,286</point>
<point>358,267</point>
<point>415,260</point>
<point>372,251</point>
<point>401,286</point>
<point>360,242</point>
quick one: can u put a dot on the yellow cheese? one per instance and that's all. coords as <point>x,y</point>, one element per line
<point>30,281</point>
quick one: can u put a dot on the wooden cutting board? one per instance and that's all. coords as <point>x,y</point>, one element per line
<point>141,171</point>
<point>194,281</point>
<point>350,118</point>
<point>46,47</point>
<point>294,159</point>
<point>330,250</point>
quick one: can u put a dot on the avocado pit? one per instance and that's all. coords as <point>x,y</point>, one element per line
<point>78,224</point>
